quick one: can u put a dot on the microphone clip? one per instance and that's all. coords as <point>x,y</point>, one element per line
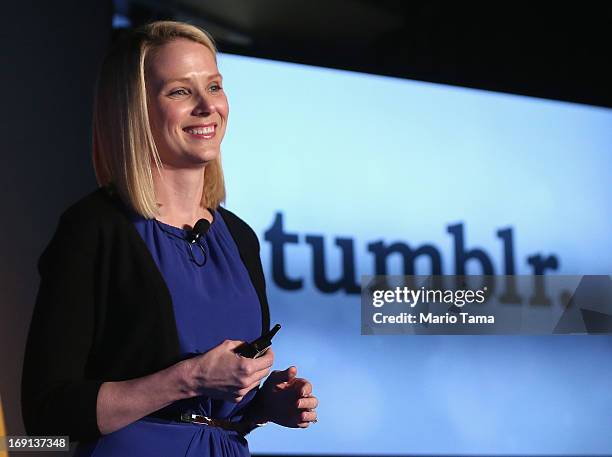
<point>199,229</point>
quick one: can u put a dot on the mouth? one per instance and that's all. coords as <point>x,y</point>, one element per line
<point>205,132</point>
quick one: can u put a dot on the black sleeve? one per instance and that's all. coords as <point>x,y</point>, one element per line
<point>56,395</point>
<point>249,248</point>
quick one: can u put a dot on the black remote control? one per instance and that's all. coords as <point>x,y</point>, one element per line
<point>258,347</point>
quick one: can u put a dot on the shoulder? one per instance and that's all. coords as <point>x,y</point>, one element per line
<point>96,208</point>
<point>91,219</point>
<point>239,229</point>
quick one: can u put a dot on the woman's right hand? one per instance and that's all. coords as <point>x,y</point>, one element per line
<point>221,373</point>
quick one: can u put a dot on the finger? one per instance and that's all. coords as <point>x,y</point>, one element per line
<point>307,403</point>
<point>258,376</point>
<point>281,376</point>
<point>252,378</point>
<point>232,344</point>
<point>265,361</point>
<point>292,371</point>
<point>302,386</point>
<point>250,366</point>
<point>308,416</point>
<point>306,424</point>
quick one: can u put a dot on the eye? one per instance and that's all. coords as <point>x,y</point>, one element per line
<point>215,87</point>
<point>179,92</point>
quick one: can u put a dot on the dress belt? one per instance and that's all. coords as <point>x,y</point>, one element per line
<point>202,420</point>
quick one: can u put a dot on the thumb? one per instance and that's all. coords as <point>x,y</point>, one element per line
<point>292,372</point>
<point>284,375</point>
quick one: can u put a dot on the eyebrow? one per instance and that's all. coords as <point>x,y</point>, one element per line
<point>216,75</point>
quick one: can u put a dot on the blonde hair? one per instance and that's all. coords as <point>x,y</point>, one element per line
<point>123,144</point>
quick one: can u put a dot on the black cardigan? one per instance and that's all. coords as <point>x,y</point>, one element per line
<point>103,313</point>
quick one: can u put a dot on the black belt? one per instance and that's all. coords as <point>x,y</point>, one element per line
<point>191,418</point>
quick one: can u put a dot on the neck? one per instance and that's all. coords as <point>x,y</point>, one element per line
<point>179,194</point>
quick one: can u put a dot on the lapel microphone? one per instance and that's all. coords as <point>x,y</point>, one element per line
<point>199,229</point>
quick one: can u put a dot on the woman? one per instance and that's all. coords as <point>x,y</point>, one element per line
<point>131,346</point>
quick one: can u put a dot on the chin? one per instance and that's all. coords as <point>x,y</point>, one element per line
<point>207,157</point>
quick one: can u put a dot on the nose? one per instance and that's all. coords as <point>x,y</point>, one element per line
<point>204,107</point>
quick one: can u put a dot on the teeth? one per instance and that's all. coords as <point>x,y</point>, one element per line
<point>202,131</point>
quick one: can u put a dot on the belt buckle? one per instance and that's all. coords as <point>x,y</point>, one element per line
<point>196,419</point>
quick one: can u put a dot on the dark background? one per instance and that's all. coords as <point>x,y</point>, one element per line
<point>51,52</point>
<point>541,49</point>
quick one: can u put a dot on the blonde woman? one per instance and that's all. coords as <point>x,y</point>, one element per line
<point>131,345</point>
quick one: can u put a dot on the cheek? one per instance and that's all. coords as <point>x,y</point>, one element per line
<point>172,117</point>
<point>158,118</point>
<point>223,108</point>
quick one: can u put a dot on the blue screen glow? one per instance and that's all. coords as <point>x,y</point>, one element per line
<point>323,162</point>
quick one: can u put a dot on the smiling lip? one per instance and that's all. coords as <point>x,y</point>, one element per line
<point>206,131</point>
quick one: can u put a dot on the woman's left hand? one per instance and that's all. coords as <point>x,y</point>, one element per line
<point>286,400</point>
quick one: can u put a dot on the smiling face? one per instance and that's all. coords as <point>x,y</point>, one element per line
<point>187,106</point>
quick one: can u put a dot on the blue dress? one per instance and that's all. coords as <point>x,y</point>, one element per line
<point>214,300</point>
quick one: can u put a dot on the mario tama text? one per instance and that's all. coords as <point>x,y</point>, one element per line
<point>432,319</point>
<point>473,305</point>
